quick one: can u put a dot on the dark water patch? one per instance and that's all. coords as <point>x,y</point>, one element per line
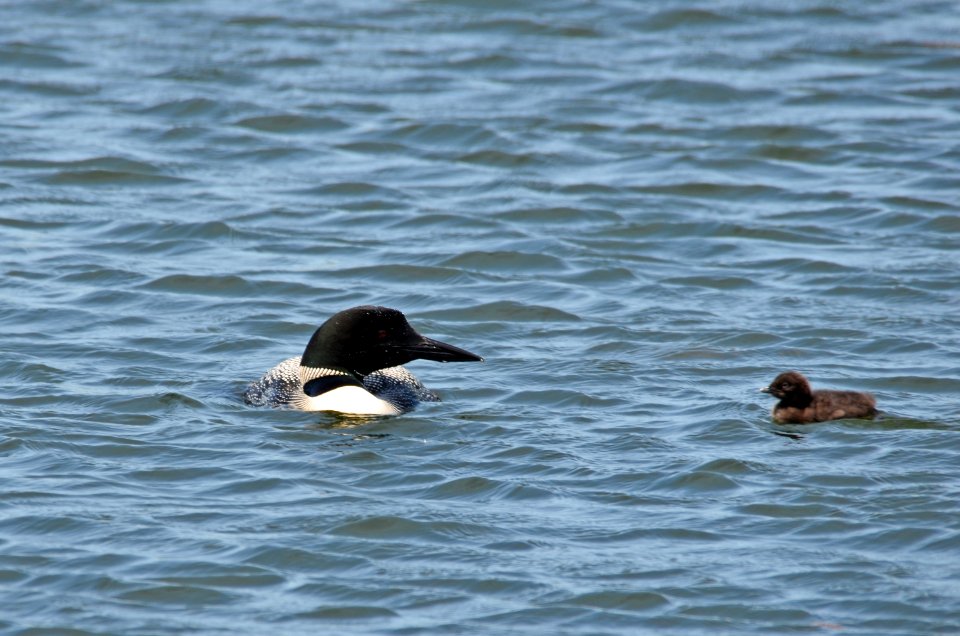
<point>255,20</point>
<point>70,90</point>
<point>691,19</point>
<point>891,422</point>
<point>947,544</point>
<point>524,26</point>
<point>501,159</point>
<point>293,559</point>
<point>787,511</point>
<point>942,224</point>
<point>177,596</point>
<point>898,538</point>
<point>452,135</point>
<point>79,582</point>
<point>895,346</point>
<point>335,592</point>
<point>10,577</point>
<point>826,98</point>
<point>486,62</point>
<point>799,154</point>
<point>800,265</point>
<point>948,93</point>
<point>97,171</point>
<point>32,225</point>
<point>586,128</point>
<point>495,585</point>
<point>511,546</point>
<point>347,190</point>
<point>186,108</point>
<point>557,215</point>
<point>407,273</point>
<point>231,580</point>
<point>37,372</point>
<point>32,55</point>
<point>504,262</point>
<point>391,528</point>
<point>657,534</point>
<point>336,612</point>
<point>627,601</point>
<point>205,574</point>
<point>584,189</point>
<point>446,221</point>
<point>375,148</point>
<point>557,398</point>
<point>102,276</point>
<point>872,289</point>
<point>108,177</point>
<point>111,447</point>
<point>483,489</point>
<point>202,73</point>
<point>552,616</point>
<point>684,91</point>
<point>713,282</point>
<point>98,299</point>
<point>776,136</point>
<point>229,286</point>
<point>116,164</point>
<point>362,108</point>
<point>726,191</point>
<point>264,155</point>
<point>763,618</point>
<point>292,124</point>
<point>506,311</point>
<point>169,231</point>
<point>37,525</point>
<point>248,486</point>
<point>873,148</point>
<point>614,276</point>
<point>174,475</point>
<point>946,58</point>
<point>289,62</point>
<point>696,481</point>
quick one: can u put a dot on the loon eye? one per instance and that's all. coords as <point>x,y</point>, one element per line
<point>382,334</point>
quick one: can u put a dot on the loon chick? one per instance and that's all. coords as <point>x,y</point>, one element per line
<point>799,404</point>
<point>351,365</point>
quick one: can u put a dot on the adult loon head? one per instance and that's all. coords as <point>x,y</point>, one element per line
<point>365,339</point>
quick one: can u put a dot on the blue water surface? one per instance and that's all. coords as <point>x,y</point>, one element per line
<point>638,213</point>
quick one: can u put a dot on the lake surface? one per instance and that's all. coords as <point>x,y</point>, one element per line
<point>638,213</point>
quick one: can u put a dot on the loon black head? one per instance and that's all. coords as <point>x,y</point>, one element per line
<point>365,339</point>
<point>790,387</point>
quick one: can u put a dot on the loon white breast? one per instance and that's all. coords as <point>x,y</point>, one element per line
<point>352,365</point>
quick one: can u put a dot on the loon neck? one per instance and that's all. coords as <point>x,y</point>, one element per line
<point>308,373</point>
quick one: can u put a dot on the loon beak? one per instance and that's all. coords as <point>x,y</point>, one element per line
<point>765,389</point>
<point>430,349</point>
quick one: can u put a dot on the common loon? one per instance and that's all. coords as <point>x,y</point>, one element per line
<point>799,404</point>
<point>351,365</point>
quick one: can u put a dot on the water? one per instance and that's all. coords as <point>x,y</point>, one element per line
<point>638,213</point>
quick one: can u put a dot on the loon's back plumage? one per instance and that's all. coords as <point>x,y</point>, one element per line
<point>352,364</point>
<point>277,387</point>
